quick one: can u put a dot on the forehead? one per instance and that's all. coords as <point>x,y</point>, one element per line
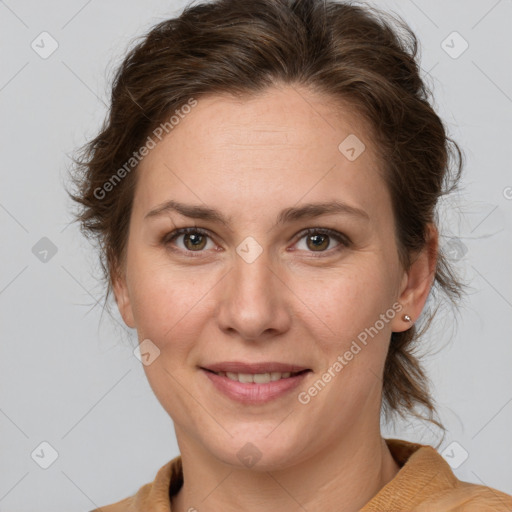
<point>278,147</point>
<point>287,118</point>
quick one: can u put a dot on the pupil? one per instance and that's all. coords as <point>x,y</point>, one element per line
<point>318,240</point>
<point>195,239</point>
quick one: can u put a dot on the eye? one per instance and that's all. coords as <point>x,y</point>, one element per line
<point>319,240</point>
<point>194,239</point>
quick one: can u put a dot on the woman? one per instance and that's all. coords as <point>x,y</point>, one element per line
<point>264,192</point>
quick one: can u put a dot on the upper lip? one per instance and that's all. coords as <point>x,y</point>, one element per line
<point>263,367</point>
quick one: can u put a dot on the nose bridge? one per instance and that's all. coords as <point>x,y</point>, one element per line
<point>252,303</point>
<point>252,275</point>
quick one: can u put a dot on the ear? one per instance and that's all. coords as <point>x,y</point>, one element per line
<point>123,299</point>
<point>417,282</point>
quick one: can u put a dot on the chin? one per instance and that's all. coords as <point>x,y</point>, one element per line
<point>258,452</point>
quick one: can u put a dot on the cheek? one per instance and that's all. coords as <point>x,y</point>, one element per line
<point>352,336</point>
<point>352,332</point>
<point>167,302</point>
<point>347,299</point>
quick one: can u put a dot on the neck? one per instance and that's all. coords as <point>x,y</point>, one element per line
<point>344,477</point>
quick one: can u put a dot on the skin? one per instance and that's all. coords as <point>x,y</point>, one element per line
<point>296,303</point>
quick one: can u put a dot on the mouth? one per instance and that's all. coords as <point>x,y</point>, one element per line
<point>256,383</point>
<point>257,378</point>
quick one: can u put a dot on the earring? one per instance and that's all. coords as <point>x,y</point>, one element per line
<point>407,318</point>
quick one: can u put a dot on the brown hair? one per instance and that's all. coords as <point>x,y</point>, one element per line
<point>357,54</point>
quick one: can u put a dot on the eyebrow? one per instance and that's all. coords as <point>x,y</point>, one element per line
<point>288,215</point>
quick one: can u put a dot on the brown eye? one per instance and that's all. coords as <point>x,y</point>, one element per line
<point>315,242</point>
<point>193,240</point>
<point>318,240</point>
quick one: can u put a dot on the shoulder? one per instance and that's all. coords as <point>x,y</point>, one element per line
<point>120,506</point>
<point>130,504</point>
<point>467,497</point>
<point>169,478</point>
<point>426,483</point>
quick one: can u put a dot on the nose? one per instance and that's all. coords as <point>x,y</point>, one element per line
<point>255,301</point>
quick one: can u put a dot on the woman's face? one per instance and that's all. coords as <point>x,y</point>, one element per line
<point>254,287</point>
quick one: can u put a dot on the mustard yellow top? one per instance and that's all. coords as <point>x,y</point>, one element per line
<point>425,483</point>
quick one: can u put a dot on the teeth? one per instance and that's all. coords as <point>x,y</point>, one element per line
<point>245,377</point>
<point>258,378</point>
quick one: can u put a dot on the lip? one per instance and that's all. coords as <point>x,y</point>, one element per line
<point>252,393</point>
<point>262,367</point>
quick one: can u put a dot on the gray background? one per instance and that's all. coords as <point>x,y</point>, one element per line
<point>68,374</point>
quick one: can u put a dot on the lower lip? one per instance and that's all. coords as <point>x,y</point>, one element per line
<point>252,393</point>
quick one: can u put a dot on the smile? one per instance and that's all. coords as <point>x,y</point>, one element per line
<point>257,378</point>
<point>255,388</point>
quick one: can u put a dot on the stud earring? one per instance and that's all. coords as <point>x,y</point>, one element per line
<point>407,318</point>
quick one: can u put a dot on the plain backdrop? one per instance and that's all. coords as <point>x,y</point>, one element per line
<point>69,377</point>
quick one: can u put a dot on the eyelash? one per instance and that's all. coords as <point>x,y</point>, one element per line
<point>339,237</point>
